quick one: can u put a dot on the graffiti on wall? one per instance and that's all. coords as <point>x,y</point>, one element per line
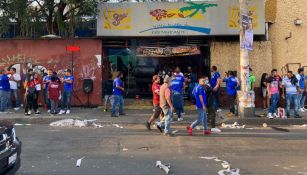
<point>18,59</point>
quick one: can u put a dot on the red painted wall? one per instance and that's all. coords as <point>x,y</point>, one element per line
<point>52,54</point>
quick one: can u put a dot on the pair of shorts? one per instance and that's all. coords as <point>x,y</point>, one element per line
<point>157,111</point>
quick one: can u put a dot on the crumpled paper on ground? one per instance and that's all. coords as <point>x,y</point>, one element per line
<point>227,170</point>
<point>76,123</point>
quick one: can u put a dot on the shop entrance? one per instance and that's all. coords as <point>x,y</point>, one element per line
<point>139,63</point>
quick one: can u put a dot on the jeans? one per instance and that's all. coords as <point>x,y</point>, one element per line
<point>217,99</point>
<point>30,103</point>
<point>4,97</point>
<point>231,102</point>
<point>118,99</point>
<point>201,117</point>
<point>54,106</point>
<point>177,100</point>
<point>274,102</point>
<point>14,92</point>
<point>301,100</point>
<point>289,98</point>
<point>66,100</point>
<point>166,122</point>
<point>47,100</point>
<point>107,98</point>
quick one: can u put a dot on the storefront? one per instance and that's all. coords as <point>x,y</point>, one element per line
<point>143,39</point>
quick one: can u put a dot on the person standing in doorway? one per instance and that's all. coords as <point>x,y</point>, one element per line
<point>216,83</point>
<point>200,99</point>
<point>108,91</point>
<point>68,81</point>
<point>177,88</point>
<point>156,101</point>
<point>14,80</point>
<point>4,91</point>
<point>166,106</point>
<point>264,91</point>
<point>46,81</point>
<point>291,86</point>
<point>54,95</point>
<point>231,90</point>
<point>273,85</point>
<point>118,99</point>
<point>302,89</point>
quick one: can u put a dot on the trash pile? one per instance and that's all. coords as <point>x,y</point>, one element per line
<point>81,123</point>
<point>235,125</point>
<point>166,168</point>
<point>226,167</point>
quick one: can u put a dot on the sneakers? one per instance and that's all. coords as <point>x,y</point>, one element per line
<point>122,114</point>
<point>16,109</point>
<point>105,110</point>
<point>215,130</point>
<point>37,113</point>
<point>180,119</point>
<point>302,110</point>
<point>219,110</point>
<point>270,116</point>
<point>159,128</point>
<point>68,112</point>
<point>275,115</point>
<point>61,112</point>
<point>28,113</point>
<point>297,116</point>
<point>207,132</point>
<point>190,130</point>
<point>48,111</point>
<point>147,124</point>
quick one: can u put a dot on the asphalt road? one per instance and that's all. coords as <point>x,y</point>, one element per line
<point>133,150</point>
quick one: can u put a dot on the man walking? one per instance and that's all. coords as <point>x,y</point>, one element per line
<point>155,101</point>
<point>216,83</point>
<point>4,91</point>
<point>200,99</point>
<point>290,84</point>
<point>273,84</point>
<point>167,107</point>
<point>177,87</point>
<point>118,99</point>
<point>68,81</point>
<point>301,90</point>
<point>14,80</point>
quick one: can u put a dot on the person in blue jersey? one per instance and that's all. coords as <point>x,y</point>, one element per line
<point>200,102</point>
<point>231,91</point>
<point>4,91</point>
<point>118,99</point>
<point>68,81</point>
<point>290,93</point>
<point>215,82</point>
<point>302,89</point>
<point>177,87</point>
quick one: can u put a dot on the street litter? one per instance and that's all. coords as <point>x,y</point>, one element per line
<point>264,125</point>
<point>76,123</point>
<point>117,126</point>
<point>301,126</point>
<point>78,164</point>
<point>18,124</point>
<point>235,125</point>
<point>226,167</point>
<point>174,132</point>
<point>160,165</point>
<point>125,149</point>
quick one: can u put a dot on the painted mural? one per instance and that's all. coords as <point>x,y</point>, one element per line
<point>37,54</point>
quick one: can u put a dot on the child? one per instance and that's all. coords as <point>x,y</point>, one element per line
<point>108,91</point>
<point>54,94</point>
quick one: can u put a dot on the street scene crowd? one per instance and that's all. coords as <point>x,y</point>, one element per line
<point>168,89</point>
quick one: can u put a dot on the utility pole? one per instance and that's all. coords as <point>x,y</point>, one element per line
<point>246,97</point>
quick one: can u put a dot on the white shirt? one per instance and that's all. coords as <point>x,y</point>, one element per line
<point>13,84</point>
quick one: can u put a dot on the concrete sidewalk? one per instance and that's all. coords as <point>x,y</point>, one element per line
<point>140,116</point>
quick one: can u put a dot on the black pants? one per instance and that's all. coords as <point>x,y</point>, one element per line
<point>211,116</point>
<point>232,102</point>
<point>31,102</point>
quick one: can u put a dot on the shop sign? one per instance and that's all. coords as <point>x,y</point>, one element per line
<point>167,51</point>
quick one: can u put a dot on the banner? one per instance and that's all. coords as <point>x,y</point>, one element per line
<point>214,17</point>
<point>167,51</point>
